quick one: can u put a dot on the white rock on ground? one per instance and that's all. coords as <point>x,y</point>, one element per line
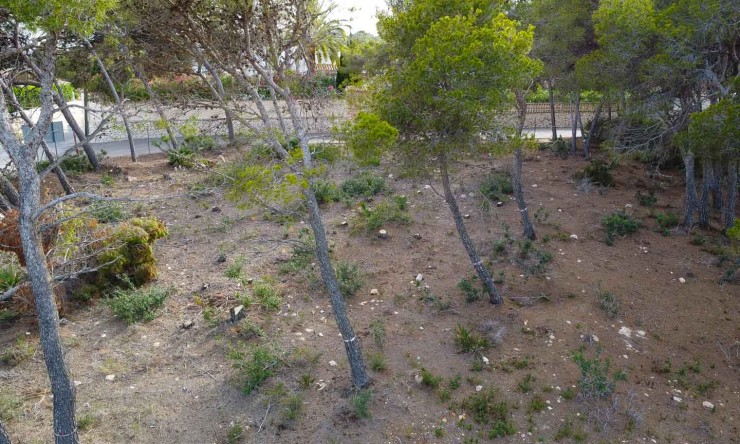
<point>110,378</point>
<point>374,291</point>
<point>419,277</point>
<point>708,405</point>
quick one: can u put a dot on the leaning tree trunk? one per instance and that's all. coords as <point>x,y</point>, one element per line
<point>516,181</point>
<point>220,92</point>
<point>706,185</point>
<point>553,123</point>
<point>157,105</point>
<point>117,98</point>
<point>521,111</point>
<point>592,131</point>
<point>79,132</point>
<point>358,371</point>
<point>576,114</point>
<point>690,194</point>
<point>731,199</point>
<point>9,192</point>
<point>4,438</point>
<point>485,277</point>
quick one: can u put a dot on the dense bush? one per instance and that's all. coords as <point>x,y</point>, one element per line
<point>618,223</point>
<point>74,164</point>
<point>137,305</point>
<point>127,251</point>
<point>496,185</point>
<point>30,96</point>
<point>599,173</point>
<point>368,137</point>
<point>350,279</point>
<point>363,185</point>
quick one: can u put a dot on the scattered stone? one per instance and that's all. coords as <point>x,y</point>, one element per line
<point>628,206</point>
<point>374,292</point>
<point>332,363</point>
<point>417,236</point>
<point>131,179</point>
<point>625,331</point>
<point>204,287</point>
<point>188,324</point>
<point>110,378</point>
<point>238,313</point>
<point>478,388</point>
<point>573,236</point>
<point>499,204</point>
<point>466,216</point>
<point>77,383</point>
<point>249,281</point>
<point>677,399</point>
<point>221,258</point>
<point>682,280</point>
<point>383,234</point>
<point>167,176</point>
<point>708,405</point>
<point>418,379</point>
<point>485,360</point>
<point>63,321</point>
<point>344,223</point>
<point>419,277</point>
<point>216,209</point>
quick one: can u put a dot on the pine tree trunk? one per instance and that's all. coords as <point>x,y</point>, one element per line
<point>485,277</point>
<point>719,177</point>
<point>358,371</point>
<point>221,97</point>
<point>63,181</point>
<point>86,111</point>
<point>553,122</point>
<point>117,98</point>
<point>157,106</point>
<point>690,194</point>
<point>592,131</point>
<point>574,128</point>
<point>4,439</point>
<point>516,181</point>
<point>62,104</point>
<point>706,184</point>
<point>8,190</point>
<point>731,199</point>
<point>521,111</point>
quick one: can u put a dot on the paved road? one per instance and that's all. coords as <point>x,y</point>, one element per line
<point>143,146</point>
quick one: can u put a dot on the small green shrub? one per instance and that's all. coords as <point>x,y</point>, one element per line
<point>371,219</point>
<point>568,394</point>
<point>377,328</point>
<point>526,384</point>
<point>609,302</point>
<point>304,253</point>
<point>329,153</point>
<point>10,276</point>
<point>127,250</point>
<point>363,185</point>
<point>361,403</point>
<point>568,431</point>
<point>368,137</point>
<point>234,269</point>
<point>8,316</point>
<point>485,407</point>
<point>10,406</point>
<point>596,381</point>
<point>87,421</point>
<point>267,295</point>
<point>469,342</point>
<point>137,305</point>
<point>256,364</point>
<point>108,212</point>
<point>646,200</point>
<point>666,221</point>
<point>377,362</point>
<point>14,354</point>
<point>73,165</point>
<point>599,173</point>
<point>536,405</point>
<point>235,433</point>
<point>560,148</point>
<point>496,185</point>
<point>429,379</point>
<point>326,192</point>
<point>183,156</point>
<point>618,223</point>
<point>350,279</point>
<point>472,292</point>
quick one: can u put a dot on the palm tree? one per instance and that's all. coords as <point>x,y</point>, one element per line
<point>325,37</point>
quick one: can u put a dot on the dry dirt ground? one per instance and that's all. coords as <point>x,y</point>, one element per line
<point>678,346</point>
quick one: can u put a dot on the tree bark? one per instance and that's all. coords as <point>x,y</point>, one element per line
<point>731,199</point>
<point>358,371</point>
<point>117,98</point>
<point>155,101</point>
<point>62,104</point>
<point>221,96</point>
<point>4,438</point>
<point>717,185</point>
<point>86,104</point>
<point>576,114</point>
<point>8,190</point>
<point>485,277</point>
<point>521,111</point>
<point>592,131</point>
<point>553,123</point>
<point>706,184</point>
<point>690,193</point>
<point>516,181</point>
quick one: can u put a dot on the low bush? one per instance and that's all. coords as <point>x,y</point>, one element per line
<point>363,185</point>
<point>256,364</point>
<point>666,221</point>
<point>560,148</point>
<point>619,223</point>
<point>361,403</point>
<point>350,279</point>
<point>596,382</point>
<point>470,290</point>
<point>496,185</point>
<point>609,302</point>
<point>267,295</point>
<point>181,157</point>
<point>108,212</point>
<point>468,341</point>
<point>371,219</point>
<point>74,165</point>
<point>486,407</point>
<point>326,192</point>
<point>646,200</point>
<point>138,304</point>
<point>20,351</point>
<point>598,172</point>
